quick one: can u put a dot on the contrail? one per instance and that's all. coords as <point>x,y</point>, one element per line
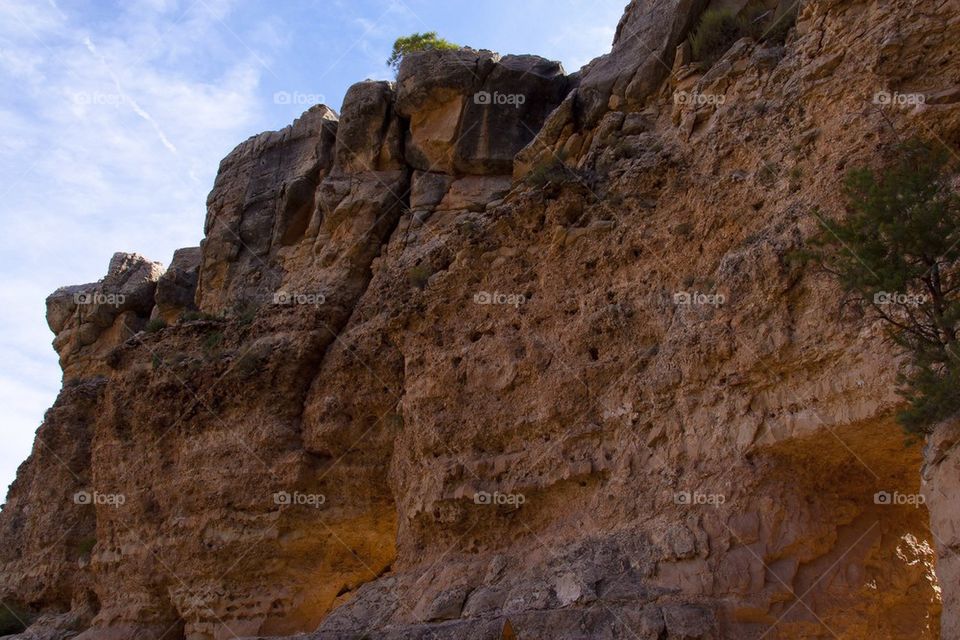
<point>133,103</point>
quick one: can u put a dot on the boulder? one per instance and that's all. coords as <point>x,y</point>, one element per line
<point>177,287</point>
<point>507,112</point>
<point>427,189</point>
<point>471,111</point>
<point>368,137</point>
<point>427,77</point>
<point>474,192</point>
<point>91,319</point>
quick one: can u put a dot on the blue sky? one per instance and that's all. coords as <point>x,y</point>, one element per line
<point>115,115</point>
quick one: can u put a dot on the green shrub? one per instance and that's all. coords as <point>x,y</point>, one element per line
<point>716,31</point>
<point>428,41</point>
<point>553,170</point>
<point>212,342</point>
<point>897,255</point>
<point>192,315</point>
<point>245,314</point>
<point>156,325</point>
<point>419,275</point>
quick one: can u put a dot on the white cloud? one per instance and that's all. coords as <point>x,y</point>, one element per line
<point>111,137</point>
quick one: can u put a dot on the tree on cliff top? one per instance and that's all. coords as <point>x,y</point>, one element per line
<point>897,254</point>
<point>428,41</point>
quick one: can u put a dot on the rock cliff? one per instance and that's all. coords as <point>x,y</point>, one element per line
<point>501,352</point>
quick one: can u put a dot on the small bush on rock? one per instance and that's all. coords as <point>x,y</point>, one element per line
<point>212,342</point>
<point>716,31</point>
<point>428,41</point>
<point>245,314</point>
<point>156,325</point>
<point>552,170</point>
<point>419,275</point>
<point>191,316</point>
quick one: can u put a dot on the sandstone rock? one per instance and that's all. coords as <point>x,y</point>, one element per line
<point>471,112</point>
<point>428,189</point>
<point>368,137</point>
<point>642,55</point>
<point>446,606</point>
<point>507,112</point>
<point>432,88</point>
<point>474,192</point>
<point>541,148</point>
<point>941,475</point>
<point>177,287</point>
<point>262,198</point>
<point>90,320</point>
<point>509,409</point>
<point>427,77</point>
<point>40,559</point>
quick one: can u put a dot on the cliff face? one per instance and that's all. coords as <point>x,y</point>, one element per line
<point>504,351</point>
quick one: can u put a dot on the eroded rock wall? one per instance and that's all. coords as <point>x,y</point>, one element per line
<point>463,365</point>
<point>941,476</point>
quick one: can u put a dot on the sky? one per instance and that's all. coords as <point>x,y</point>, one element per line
<point>116,113</point>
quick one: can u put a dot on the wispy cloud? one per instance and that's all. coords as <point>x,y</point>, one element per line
<point>109,140</point>
<point>125,99</point>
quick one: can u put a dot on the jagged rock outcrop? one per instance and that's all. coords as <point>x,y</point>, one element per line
<point>177,287</point>
<point>642,55</point>
<point>470,112</point>
<point>91,319</point>
<point>464,365</point>
<point>262,198</point>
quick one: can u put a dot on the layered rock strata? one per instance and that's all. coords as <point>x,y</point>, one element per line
<point>458,364</point>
